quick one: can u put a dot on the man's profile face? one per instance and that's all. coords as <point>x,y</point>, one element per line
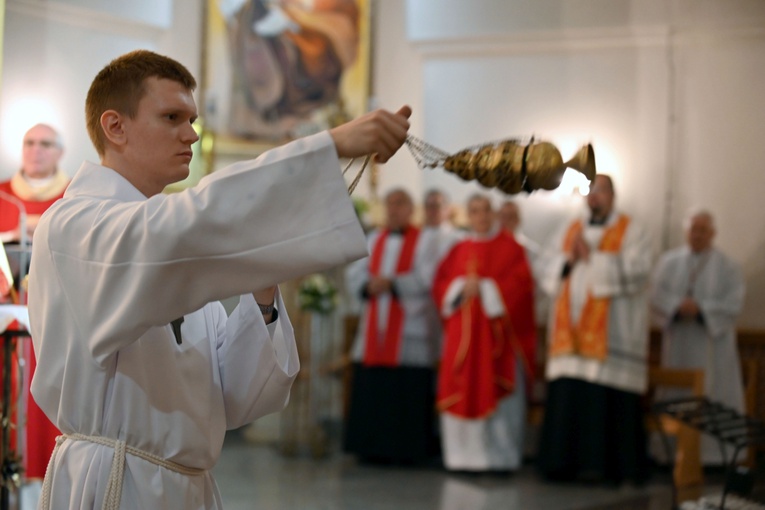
<point>40,152</point>
<point>159,137</point>
<point>398,210</point>
<point>480,215</point>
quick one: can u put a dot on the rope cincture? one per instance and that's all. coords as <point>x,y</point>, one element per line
<point>117,472</point>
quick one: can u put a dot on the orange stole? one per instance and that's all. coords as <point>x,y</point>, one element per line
<point>385,353</point>
<point>588,338</point>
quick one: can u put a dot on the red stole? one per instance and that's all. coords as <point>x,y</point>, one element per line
<point>386,353</point>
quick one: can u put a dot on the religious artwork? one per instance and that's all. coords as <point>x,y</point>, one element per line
<point>276,70</point>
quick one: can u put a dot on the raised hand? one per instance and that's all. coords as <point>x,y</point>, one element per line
<point>378,132</point>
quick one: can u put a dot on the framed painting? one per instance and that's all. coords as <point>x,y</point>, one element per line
<point>276,70</point>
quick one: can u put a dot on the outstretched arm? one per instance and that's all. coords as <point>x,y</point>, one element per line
<point>378,132</point>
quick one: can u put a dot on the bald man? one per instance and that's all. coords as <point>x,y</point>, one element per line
<point>37,184</point>
<point>697,293</point>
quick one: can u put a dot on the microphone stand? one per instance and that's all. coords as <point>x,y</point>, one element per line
<point>11,465</point>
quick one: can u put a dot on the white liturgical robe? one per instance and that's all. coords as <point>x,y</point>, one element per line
<point>112,269</point>
<point>623,278</point>
<point>715,282</point>
<point>421,337</point>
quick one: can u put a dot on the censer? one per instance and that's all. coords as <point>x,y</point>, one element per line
<point>509,165</point>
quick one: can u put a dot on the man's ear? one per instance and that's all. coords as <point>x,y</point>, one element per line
<point>112,123</point>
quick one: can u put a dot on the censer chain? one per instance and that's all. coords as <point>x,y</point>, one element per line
<point>358,175</point>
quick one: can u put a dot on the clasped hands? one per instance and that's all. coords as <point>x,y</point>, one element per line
<point>472,288</point>
<point>688,308</point>
<point>580,250</point>
<point>378,285</point>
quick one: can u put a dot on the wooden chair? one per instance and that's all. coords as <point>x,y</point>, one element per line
<point>749,369</point>
<point>688,470</point>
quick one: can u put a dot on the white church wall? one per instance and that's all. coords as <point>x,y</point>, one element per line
<point>52,50</point>
<point>667,92</point>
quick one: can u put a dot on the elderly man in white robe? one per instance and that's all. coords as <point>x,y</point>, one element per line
<point>697,293</point>
<point>138,365</point>
<point>597,356</point>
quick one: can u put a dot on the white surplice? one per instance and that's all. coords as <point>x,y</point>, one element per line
<point>112,269</point>
<point>421,338</point>
<point>715,282</point>
<point>623,277</point>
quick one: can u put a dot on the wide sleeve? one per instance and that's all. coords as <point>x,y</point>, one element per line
<point>721,307</point>
<point>357,273</point>
<point>665,295</point>
<point>448,283</point>
<point>491,298</point>
<point>551,261</point>
<point>257,370</point>
<point>140,264</point>
<point>626,272</point>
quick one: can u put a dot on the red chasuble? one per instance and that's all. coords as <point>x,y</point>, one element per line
<point>479,357</point>
<point>34,205</point>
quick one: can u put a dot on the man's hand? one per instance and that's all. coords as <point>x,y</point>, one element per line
<point>379,132</point>
<point>471,289</point>
<point>378,285</point>
<point>688,309</point>
<point>579,251</point>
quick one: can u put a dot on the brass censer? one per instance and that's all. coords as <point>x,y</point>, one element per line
<point>509,165</point>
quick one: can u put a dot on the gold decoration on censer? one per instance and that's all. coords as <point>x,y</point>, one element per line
<point>508,165</point>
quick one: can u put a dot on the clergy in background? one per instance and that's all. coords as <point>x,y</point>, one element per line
<point>597,353</point>
<point>697,293</point>
<point>391,418</point>
<point>438,237</point>
<point>36,185</point>
<point>509,215</point>
<point>484,291</point>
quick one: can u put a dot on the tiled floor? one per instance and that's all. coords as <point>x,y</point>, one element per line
<point>259,477</point>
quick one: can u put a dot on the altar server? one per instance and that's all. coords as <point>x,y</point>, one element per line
<point>138,366</point>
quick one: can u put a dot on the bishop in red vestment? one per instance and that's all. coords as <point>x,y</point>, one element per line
<point>484,290</point>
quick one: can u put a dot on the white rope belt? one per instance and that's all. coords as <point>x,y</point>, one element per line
<point>117,472</point>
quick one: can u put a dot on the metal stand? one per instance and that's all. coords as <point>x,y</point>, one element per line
<point>10,461</point>
<point>724,424</point>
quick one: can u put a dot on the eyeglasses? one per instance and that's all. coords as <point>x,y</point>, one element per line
<point>45,144</point>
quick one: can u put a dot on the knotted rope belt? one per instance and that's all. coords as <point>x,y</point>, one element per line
<point>117,472</point>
